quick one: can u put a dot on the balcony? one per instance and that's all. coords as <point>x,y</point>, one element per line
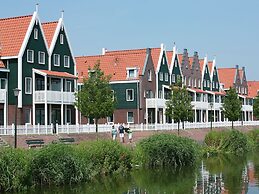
<point>247,108</point>
<point>2,95</point>
<point>55,97</point>
<point>155,103</point>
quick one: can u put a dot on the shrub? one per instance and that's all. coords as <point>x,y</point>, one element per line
<point>13,169</point>
<point>253,136</point>
<point>105,157</point>
<point>56,164</point>
<point>166,150</point>
<point>232,141</point>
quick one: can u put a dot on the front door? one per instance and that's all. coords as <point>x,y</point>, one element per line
<point>56,116</point>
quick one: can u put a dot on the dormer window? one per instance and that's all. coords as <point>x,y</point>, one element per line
<point>35,33</point>
<point>161,76</point>
<point>166,77</point>
<point>132,73</point>
<point>61,39</point>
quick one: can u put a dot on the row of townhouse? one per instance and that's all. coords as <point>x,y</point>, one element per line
<point>37,58</point>
<point>141,80</point>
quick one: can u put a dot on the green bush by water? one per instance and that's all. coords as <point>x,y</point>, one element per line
<point>13,169</point>
<point>232,141</point>
<point>166,150</point>
<point>253,136</point>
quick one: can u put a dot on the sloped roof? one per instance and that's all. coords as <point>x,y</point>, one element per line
<point>241,72</point>
<point>253,88</point>
<point>201,62</point>
<point>180,56</point>
<point>49,29</point>
<point>169,55</point>
<point>57,74</point>
<point>227,76</point>
<point>155,53</point>
<point>12,34</point>
<point>114,63</point>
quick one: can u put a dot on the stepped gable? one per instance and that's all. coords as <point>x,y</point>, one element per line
<point>114,63</point>
<point>241,73</point>
<point>12,34</point>
<point>253,88</point>
<point>227,76</point>
<point>49,29</point>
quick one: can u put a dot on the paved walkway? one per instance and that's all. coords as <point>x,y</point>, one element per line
<point>196,134</point>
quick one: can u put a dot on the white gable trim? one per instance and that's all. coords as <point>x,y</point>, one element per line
<point>160,58</point>
<point>203,69</point>
<point>55,39</point>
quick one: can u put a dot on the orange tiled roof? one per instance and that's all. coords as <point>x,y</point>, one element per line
<point>220,93</point>
<point>49,30</point>
<point>12,34</point>
<point>253,88</point>
<point>210,64</point>
<point>227,76</point>
<point>201,62</point>
<point>169,55</point>
<point>114,63</point>
<point>57,74</point>
<point>199,90</point>
<point>180,56</point>
<point>155,52</point>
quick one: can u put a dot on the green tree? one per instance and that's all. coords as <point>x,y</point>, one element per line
<point>256,107</point>
<point>95,99</point>
<point>179,107</point>
<point>232,106</point>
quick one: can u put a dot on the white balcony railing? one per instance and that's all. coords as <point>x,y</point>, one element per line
<point>155,102</point>
<point>2,95</point>
<point>247,108</point>
<point>55,97</point>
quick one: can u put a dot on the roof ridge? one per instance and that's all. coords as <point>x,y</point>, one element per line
<point>49,22</point>
<point>16,17</point>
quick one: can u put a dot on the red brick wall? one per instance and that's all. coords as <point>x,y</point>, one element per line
<point>20,115</point>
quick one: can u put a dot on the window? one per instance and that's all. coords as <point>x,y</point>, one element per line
<point>113,93</point>
<point>160,94</point>
<point>35,33</point>
<point>41,57</point>
<point>129,94</point>
<point>27,116</point>
<point>66,61</point>
<point>110,119</point>
<point>30,56</point>
<point>195,83</point>
<point>3,83</point>
<point>69,115</point>
<point>56,59</point>
<point>179,78</point>
<point>213,84</point>
<point>130,118</point>
<point>189,82</point>
<point>199,83</point>
<point>149,75</point>
<point>173,78</point>
<point>132,73</point>
<point>68,86</point>
<point>55,84</point>
<point>204,83</point>
<point>161,76</point>
<point>28,85</point>
<point>166,77</point>
<point>217,85</point>
<point>61,39</point>
<point>208,83</point>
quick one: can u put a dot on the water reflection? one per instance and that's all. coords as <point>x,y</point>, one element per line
<point>218,175</point>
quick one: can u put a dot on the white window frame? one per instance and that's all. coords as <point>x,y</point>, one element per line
<point>173,78</point>
<point>208,83</point>
<point>61,38</point>
<point>204,83</point>
<point>68,61</point>
<point>199,83</point>
<point>189,81</point>
<point>134,73</point>
<point>58,60</point>
<point>68,83</point>
<point>30,85</point>
<point>32,56</point>
<point>128,117</point>
<point>149,75</point>
<point>166,77</point>
<point>195,85</point>
<point>213,84</point>
<point>161,76</point>
<point>39,56</point>
<point>127,99</point>
<point>35,33</point>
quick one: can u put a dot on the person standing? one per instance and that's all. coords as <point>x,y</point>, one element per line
<point>114,133</point>
<point>130,135</point>
<point>121,132</point>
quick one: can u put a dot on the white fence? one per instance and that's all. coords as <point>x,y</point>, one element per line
<point>49,129</point>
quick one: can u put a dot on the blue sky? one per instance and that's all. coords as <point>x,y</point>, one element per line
<point>227,29</point>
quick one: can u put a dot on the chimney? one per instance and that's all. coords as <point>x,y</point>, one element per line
<point>243,68</point>
<point>196,54</point>
<point>62,14</point>
<point>37,7</point>
<point>174,48</point>
<point>237,67</point>
<point>104,51</point>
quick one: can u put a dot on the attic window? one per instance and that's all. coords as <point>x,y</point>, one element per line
<point>149,75</point>
<point>132,72</point>
<point>35,33</point>
<point>61,37</point>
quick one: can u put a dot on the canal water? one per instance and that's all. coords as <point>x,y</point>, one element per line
<point>232,175</point>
